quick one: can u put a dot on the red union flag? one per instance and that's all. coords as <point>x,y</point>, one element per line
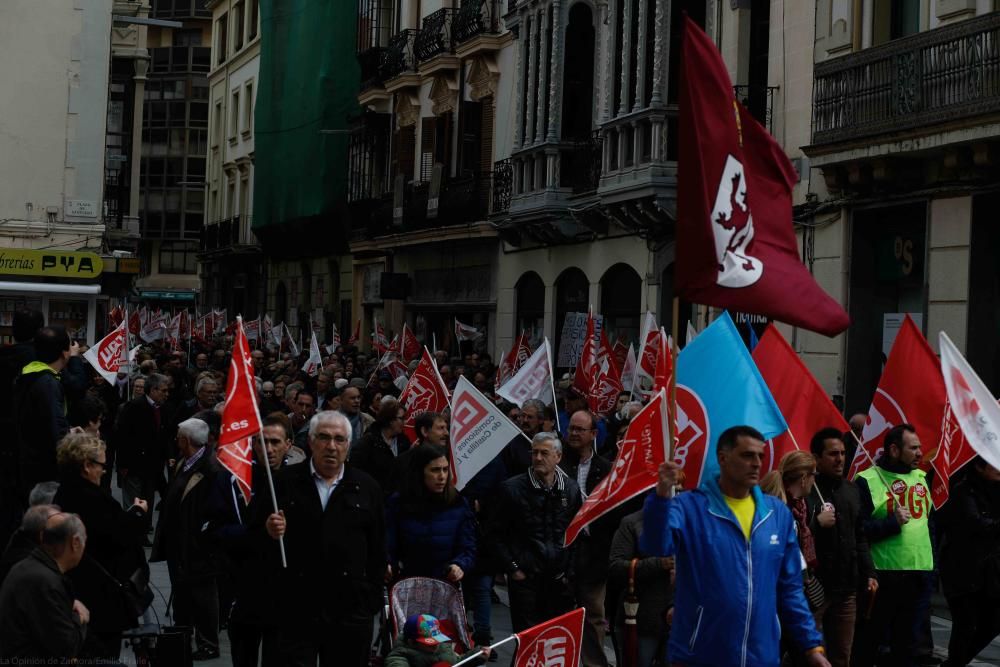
<point>953,452</point>
<point>693,432</point>
<point>911,391</point>
<point>533,380</point>
<point>409,348</point>
<point>355,335</point>
<point>109,355</point>
<point>647,346</point>
<point>513,360</point>
<point>636,467</point>
<point>240,418</point>
<point>972,404</point>
<point>424,392</point>
<point>479,431</point>
<point>736,246</point>
<point>237,458</point>
<point>802,401</point>
<point>379,340</point>
<point>554,643</point>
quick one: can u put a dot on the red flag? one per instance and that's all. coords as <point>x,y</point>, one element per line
<point>664,362</point>
<point>379,340</point>
<point>586,367</point>
<point>409,348</point>
<point>596,376</point>
<point>736,245</point>
<point>425,392</point>
<point>620,352</point>
<point>911,391</point>
<point>953,452</point>
<point>648,347</point>
<point>116,316</point>
<point>554,642</point>
<point>356,335</point>
<point>802,401</point>
<point>240,417</point>
<point>135,322</point>
<point>635,469</point>
<point>512,362</point>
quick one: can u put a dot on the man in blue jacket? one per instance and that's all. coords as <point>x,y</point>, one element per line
<point>739,568</point>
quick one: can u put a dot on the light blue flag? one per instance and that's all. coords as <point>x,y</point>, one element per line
<point>753,338</point>
<point>718,386</point>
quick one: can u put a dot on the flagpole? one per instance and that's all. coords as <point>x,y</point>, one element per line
<point>870,459</point>
<point>478,655</point>
<point>552,385</point>
<point>672,404</point>
<point>274,498</point>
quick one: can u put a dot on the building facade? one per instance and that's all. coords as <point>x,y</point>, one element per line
<point>230,258</point>
<point>174,150</point>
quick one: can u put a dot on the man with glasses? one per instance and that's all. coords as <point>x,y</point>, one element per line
<point>142,446</point>
<point>334,534</point>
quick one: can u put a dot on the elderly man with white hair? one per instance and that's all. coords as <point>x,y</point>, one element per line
<point>191,560</point>
<point>332,522</point>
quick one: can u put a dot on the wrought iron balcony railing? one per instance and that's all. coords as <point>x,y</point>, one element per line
<point>229,234</point>
<point>581,163</point>
<point>399,57</point>
<point>940,75</point>
<point>503,185</point>
<point>373,66</point>
<point>435,37</point>
<point>759,100</point>
<point>476,17</point>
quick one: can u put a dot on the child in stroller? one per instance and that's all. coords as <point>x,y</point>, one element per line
<point>422,644</point>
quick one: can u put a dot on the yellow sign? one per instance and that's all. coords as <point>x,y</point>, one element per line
<point>50,264</point>
<point>128,265</point>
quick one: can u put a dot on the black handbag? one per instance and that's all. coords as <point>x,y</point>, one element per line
<point>135,591</point>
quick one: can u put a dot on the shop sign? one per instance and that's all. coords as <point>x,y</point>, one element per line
<point>167,296</point>
<point>79,208</point>
<point>128,265</point>
<point>50,264</point>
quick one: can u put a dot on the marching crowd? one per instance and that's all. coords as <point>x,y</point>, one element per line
<point>799,566</point>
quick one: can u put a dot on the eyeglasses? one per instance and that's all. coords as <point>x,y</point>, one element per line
<point>579,429</point>
<point>104,466</point>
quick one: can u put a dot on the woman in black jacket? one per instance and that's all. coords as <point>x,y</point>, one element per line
<point>970,561</point>
<point>114,542</point>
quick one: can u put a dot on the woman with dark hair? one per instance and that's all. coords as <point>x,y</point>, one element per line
<point>378,448</point>
<point>114,542</point>
<point>430,529</point>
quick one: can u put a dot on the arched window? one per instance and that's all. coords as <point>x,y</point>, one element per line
<point>280,303</point>
<point>530,307</point>
<point>572,296</point>
<point>621,301</point>
<point>578,75</point>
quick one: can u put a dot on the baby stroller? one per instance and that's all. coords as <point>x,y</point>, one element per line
<point>423,595</point>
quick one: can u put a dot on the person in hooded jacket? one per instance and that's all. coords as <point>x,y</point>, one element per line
<point>430,529</point>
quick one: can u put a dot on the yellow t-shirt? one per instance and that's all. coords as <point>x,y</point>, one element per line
<point>743,509</point>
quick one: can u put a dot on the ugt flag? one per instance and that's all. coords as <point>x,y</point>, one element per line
<point>911,390</point>
<point>424,392</point>
<point>718,386</point>
<point>736,245</point>
<point>513,360</point>
<point>109,355</point>
<point>636,467</point>
<point>972,404</point>
<point>556,642</point>
<point>240,417</point>
<point>479,431</point>
<point>953,452</point>
<point>533,380</point>
<point>805,405</point>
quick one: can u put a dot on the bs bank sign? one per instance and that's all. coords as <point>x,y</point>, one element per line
<point>50,264</point>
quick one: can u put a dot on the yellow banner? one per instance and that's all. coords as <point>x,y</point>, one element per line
<point>50,264</point>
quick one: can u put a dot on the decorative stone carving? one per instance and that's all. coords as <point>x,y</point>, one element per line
<point>483,77</point>
<point>444,94</point>
<point>407,110</point>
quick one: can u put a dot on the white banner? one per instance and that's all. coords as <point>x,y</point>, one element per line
<point>479,432</point>
<point>315,360</point>
<point>972,404</point>
<point>532,380</point>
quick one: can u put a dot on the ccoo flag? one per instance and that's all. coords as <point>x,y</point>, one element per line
<point>972,404</point>
<point>718,386</point>
<point>736,245</point>
<point>425,391</point>
<point>554,643</point>
<point>479,431</point>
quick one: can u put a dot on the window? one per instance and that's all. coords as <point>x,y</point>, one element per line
<point>237,26</point>
<point>231,199</point>
<point>221,46</point>
<point>893,19</point>
<point>187,37</point>
<point>178,257</point>
<point>234,115</point>
<point>244,196</point>
<point>254,13</point>
<point>248,107</point>
<point>217,122</point>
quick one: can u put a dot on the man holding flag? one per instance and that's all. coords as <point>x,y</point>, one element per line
<point>739,572</point>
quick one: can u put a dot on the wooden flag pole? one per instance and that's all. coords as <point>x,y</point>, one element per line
<point>274,498</point>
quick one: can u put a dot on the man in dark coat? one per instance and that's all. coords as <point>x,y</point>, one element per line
<point>182,542</point>
<point>593,545</point>
<point>528,528</point>
<point>334,532</point>
<point>40,621</point>
<point>27,538</point>
<point>142,442</point>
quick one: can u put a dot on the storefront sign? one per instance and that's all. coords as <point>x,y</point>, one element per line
<point>128,265</point>
<point>50,264</point>
<point>167,296</point>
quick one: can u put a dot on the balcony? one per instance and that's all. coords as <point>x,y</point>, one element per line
<point>231,236</point>
<point>477,28</point>
<point>640,156</point>
<point>759,101</point>
<point>503,186</point>
<point>399,69</point>
<point>910,85</point>
<point>373,67</point>
<point>434,45</point>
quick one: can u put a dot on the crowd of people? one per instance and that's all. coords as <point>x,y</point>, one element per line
<point>801,565</point>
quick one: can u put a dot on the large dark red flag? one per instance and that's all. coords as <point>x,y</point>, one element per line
<point>424,392</point>
<point>736,244</point>
<point>911,390</point>
<point>802,401</point>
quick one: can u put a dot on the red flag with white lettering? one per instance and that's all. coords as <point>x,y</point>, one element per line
<point>664,363</point>
<point>409,348</point>
<point>110,354</point>
<point>355,335</point>
<point>424,392</point>
<point>911,391</point>
<point>240,417</point>
<point>804,404</point>
<point>556,642</point>
<point>512,362</point>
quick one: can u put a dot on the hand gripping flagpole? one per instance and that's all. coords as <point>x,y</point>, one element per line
<point>477,655</point>
<point>274,498</point>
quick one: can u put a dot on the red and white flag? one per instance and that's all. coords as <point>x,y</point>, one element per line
<point>596,376</point>
<point>219,321</point>
<point>554,643</point>
<point>379,340</point>
<point>424,392</point>
<point>628,368</point>
<point>155,327</point>
<point>636,466</point>
<point>664,363</point>
<point>134,323</point>
<point>532,380</point>
<point>173,331</point>
<point>911,391</point>
<point>648,347</point>
<point>116,316</point>
<point>972,404</point>
<point>240,416</point>
<point>479,431</point>
<point>314,363</point>
<point>513,360</point>
<point>736,246</point>
<point>953,452</point>
<point>355,335</point>
<point>409,347</point>
<point>336,338</point>
<point>806,407</point>
<point>252,329</point>
<point>466,331</point>
<point>109,355</point>
<point>293,347</point>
